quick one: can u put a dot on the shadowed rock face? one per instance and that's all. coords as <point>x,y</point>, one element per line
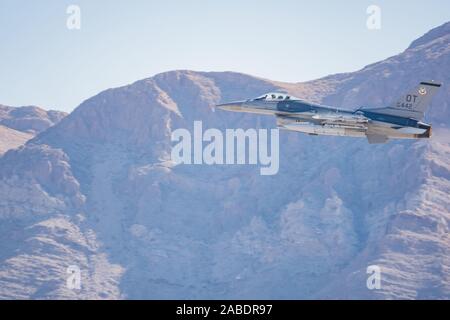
<point>97,191</point>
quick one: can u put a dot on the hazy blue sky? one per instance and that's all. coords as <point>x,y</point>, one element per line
<point>44,63</point>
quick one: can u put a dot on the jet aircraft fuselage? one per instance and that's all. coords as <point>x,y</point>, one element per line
<point>402,120</point>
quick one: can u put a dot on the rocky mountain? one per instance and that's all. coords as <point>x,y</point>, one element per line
<point>426,58</point>
<point>10,138</point>
<point>18,125</point>
<point>98,191</point>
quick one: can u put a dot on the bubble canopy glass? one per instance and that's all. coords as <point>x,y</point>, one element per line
<point>276,96</point>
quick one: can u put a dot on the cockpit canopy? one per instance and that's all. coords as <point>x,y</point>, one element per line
<point>276,96</point>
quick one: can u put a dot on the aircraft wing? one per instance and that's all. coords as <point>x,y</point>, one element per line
<point>325,117</point>
<point>340,118</point>
<point>349,120</point>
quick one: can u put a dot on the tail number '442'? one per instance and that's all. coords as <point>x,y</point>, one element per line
<point>408,103</point>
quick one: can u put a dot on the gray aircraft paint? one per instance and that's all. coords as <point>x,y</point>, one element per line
<point>401,120</point>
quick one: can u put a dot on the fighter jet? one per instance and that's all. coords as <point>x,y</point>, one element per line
<point>400,120</point>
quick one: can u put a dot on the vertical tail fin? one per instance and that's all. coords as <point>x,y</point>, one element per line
<point>414,103</point>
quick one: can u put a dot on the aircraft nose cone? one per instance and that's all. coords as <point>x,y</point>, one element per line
<point>231,106</point>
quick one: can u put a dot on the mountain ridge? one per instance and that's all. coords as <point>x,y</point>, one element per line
<point>20,124</point>
<point>101,193</point>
